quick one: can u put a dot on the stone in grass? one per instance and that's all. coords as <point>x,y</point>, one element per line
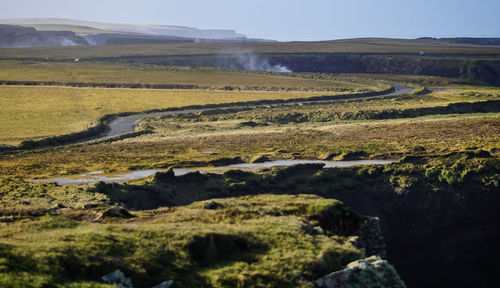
<point>249,124</point>
<point>212,205</point>
<point>165,284</point>
<point>118,279</point>
<point>368,273</point>
<point>56,207</point>
<point>116,211</point>
<point>6,219</point>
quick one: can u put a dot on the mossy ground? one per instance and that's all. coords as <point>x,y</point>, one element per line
<point>263,231</point>
<point>260,233</point>
<point>258,241</point>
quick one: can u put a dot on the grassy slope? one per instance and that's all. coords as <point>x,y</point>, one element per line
<point>32,112</point>
<point>160,244</point>
<point>148,74</point>
<point>363,45</point>
<point>242,244</point>
<point>256,241</point>
<point>37,112</point>
<point>387,138</point>
<point>178,141</point>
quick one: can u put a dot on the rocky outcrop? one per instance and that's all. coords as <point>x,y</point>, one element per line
<point>165,284</point>
<point>116,212</point>
<point>118,279</point>
<point>370,238</point>
<point>367,273</point>
<point>212,205</point>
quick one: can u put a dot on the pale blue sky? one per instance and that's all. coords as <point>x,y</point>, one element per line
<point>284,19</point>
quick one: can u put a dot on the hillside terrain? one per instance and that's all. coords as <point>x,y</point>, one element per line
<point>364,55</point>
<point>207,207</point>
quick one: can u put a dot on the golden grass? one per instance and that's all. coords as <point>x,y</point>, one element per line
<point>437,135</point>
<point>33,112</point>
<point>147,74</point>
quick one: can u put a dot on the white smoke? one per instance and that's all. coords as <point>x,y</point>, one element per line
<point>250,61</point>
<point>67,42</point>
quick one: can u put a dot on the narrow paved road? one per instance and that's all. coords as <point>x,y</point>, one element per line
<point>128,124</point>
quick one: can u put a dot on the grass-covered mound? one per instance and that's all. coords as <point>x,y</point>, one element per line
<point>258,241</point>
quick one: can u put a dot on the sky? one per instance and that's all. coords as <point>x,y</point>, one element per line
<point>284,20</point>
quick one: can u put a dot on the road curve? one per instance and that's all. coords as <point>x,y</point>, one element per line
<point>128,124</point>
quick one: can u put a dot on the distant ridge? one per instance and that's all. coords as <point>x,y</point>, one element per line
<point>15,36</point>
<point>39,32</point>
<point>468,40</point>
<point>100,27</point>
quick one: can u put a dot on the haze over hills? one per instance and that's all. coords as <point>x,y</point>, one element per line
<point>37,32</point>
<point>97,33</point>
<point>99,27</point>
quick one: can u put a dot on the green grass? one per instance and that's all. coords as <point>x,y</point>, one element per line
<point>242,244</point>
<point>267,240</point>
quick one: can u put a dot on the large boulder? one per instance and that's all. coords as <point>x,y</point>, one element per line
<point>366,273</point>
<point>118,279</point>
<point>370,238</point>
<point>165,284</point>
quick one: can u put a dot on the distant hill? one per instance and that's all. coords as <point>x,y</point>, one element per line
<point>468,40</point>
<point>14,36</point>
<point>43,33</point>
<point>98,27</point>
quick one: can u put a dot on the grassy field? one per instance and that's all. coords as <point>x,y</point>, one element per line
<point>37,112</point>
<point>362,45</point>
<point>148,74</point>
<point>435,98</point>
<point>278,227</point>
<point>180,140</point>
<point>183,145</point>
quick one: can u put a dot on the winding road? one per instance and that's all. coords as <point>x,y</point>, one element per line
<point>128,124</point>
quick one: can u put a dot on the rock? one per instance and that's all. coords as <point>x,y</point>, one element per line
<point>318,230</point>
<point>116,212</point>
<point>249,124</point>
<point>346,156</point>
<point>370,238</point>
<point>164,176</point>
<point>212,205</point>
<point>259,159</point>
<point>367,273</point>
<point>226,161</point>
<point>118,278</point>
<point>37,213</point>
<point>56,207</point>
<point>6,219</point>
<point>89,205</point>
<point>165,284</point>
